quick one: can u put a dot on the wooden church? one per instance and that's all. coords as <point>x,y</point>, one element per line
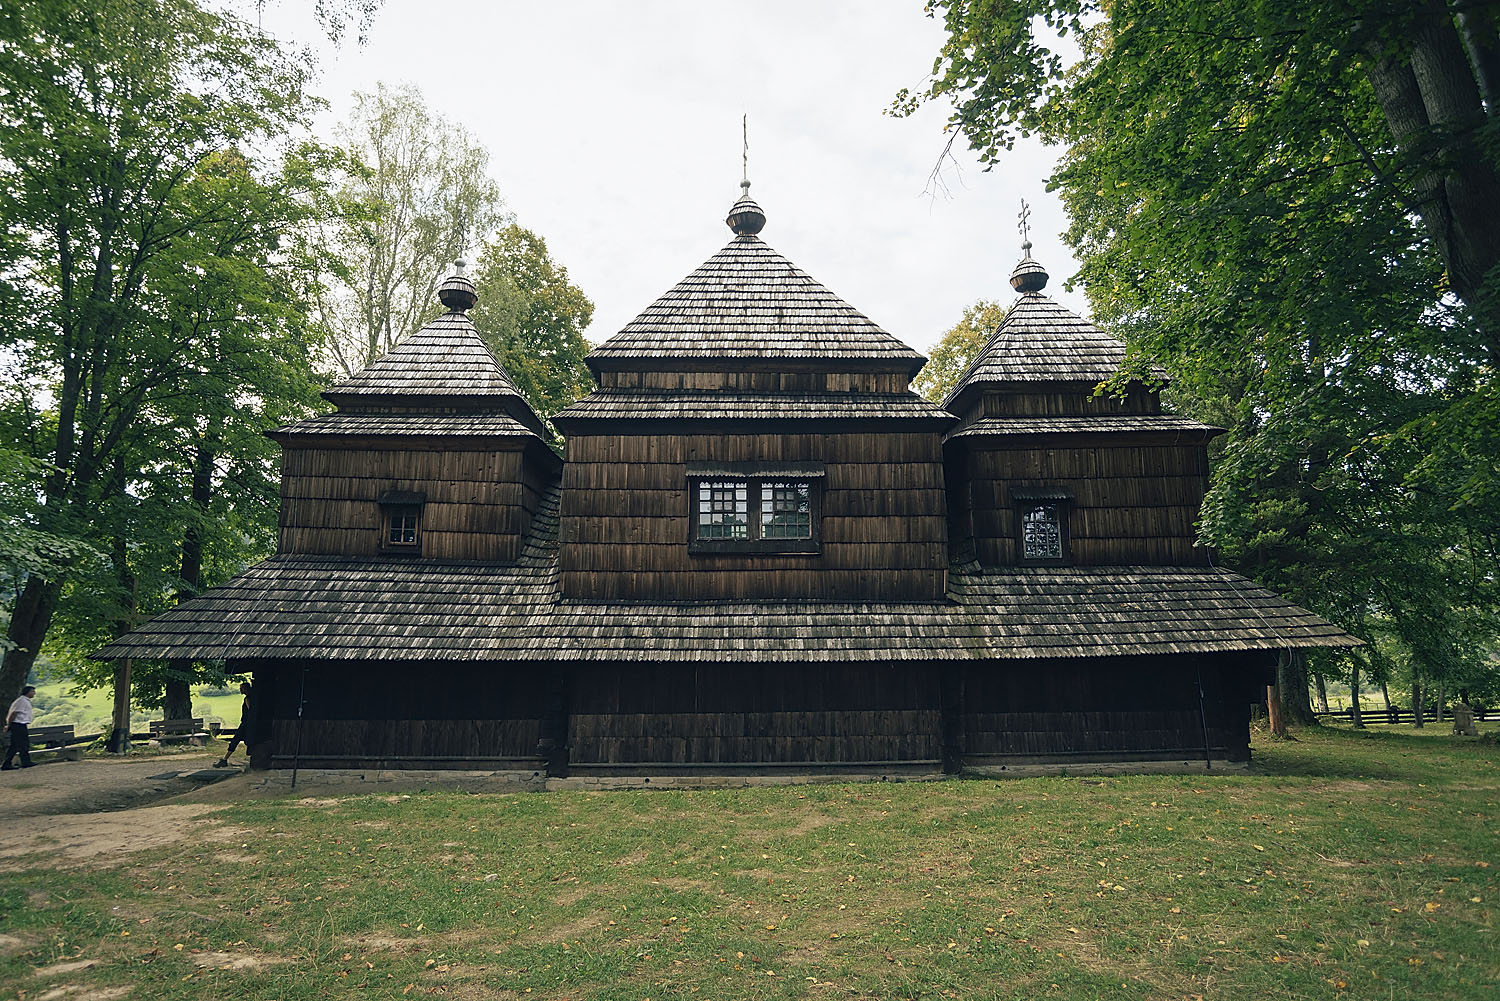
<point>762,553</point>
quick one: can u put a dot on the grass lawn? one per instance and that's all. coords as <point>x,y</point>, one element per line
<point>90,711</point>
<point>1354,866</point>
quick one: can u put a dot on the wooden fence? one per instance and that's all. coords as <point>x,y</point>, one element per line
<point>1398,715</point>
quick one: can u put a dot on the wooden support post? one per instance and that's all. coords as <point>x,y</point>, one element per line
<point>119,734</point>
<point>951,716</point>
<point>1275,711</point>
<point>553,742</point>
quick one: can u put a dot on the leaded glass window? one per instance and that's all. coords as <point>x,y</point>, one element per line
<point>723,509</point>
<point>1041,532</point>
<point>785,510</point>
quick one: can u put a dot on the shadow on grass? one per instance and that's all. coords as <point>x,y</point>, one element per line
<point>1399,753</point>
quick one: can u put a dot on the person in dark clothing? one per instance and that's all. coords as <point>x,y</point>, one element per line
<point>18,719</point>
<point>247,721</point>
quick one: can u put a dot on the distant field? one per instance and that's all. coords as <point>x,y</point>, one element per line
<point>90,711</point>
<point>1354,866</point>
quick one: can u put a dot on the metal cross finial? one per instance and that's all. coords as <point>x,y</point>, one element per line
<point>1025,216</point>
<point>745,152</point>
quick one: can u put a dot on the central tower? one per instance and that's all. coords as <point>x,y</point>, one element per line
<point>753,436</point>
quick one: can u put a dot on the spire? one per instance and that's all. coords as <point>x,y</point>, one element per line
<point>458,292</point>
<point>745,217</point>
<point>1028,276</point>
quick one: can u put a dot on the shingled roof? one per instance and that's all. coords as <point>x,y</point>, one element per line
<point>1040,340</point>
<point>403,425</point>
<point>344,608</point>
<point>616,404</point>
<point>445,366</point>
<point>1168,426</point>
<point>749,302</point>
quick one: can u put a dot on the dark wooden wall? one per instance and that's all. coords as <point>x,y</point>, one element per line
<point>625,519</point>
<point>615,718</point>
<point>1067,400</point>
<point>480,498</point>
<point>1109,708</point>
<point>748,715</point>
<point>394,715</point>
<point>1131,503</point>
<point>753,380</point>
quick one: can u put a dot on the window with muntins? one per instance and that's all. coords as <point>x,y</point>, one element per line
<point>402,522</point>
<point>755,507</point>
<point>1041,531</point>
<point>785,510</point>
<point>723,509</point>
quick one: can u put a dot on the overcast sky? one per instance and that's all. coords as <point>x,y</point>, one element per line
<point>614,132</point>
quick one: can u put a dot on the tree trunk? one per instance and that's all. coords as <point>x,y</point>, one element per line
<point>1431,102</point>
<point>1274,711</point>
<point>119,554</point>
<point>119,731</point>
<point>1437,709</point>
<point>29,620</point>
<point>1291,678</point>
<point>1356,714</point>
<point>1417,707</point>
<point>180,673</point>
<point>1385,693</point>
<point>1322,691</point>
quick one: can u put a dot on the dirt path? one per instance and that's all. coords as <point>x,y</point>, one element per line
<point>98,784</point>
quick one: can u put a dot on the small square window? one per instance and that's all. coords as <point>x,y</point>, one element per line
<point>402,523</point>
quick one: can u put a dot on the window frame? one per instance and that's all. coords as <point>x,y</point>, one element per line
<point>392,503</point>
<point>1024,500</point>
<point>756,476</point>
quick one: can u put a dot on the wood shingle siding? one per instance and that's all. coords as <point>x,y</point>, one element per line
<point>478,500</point>
<point>627,518</point>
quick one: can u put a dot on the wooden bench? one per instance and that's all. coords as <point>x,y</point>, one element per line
<point>54,740</point>
<point>175,731</point>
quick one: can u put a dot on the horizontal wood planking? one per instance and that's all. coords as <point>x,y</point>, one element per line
<point>671,530</point>
<point>1130,504</point>
<point>759,381</point>
<point>646,557</point>
<point>881,447</point>
<point>625,518</point>
<point>367,739</point>
<point>760,584</point>
<point>1063,401</point>
<point>1122,459</point>
<point>479,501</point>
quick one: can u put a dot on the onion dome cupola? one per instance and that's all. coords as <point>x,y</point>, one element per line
<point>445,367</point>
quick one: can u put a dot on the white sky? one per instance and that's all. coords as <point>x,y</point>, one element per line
<point>614,132</point>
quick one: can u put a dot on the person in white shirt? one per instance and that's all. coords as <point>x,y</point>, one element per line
<point>19,720</point>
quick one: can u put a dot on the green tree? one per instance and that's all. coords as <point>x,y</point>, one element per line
<point>533,318</point>
<point>117,139</point>
<point>957,348</point>
<point>1291,207</point>
<point>426,199</point>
